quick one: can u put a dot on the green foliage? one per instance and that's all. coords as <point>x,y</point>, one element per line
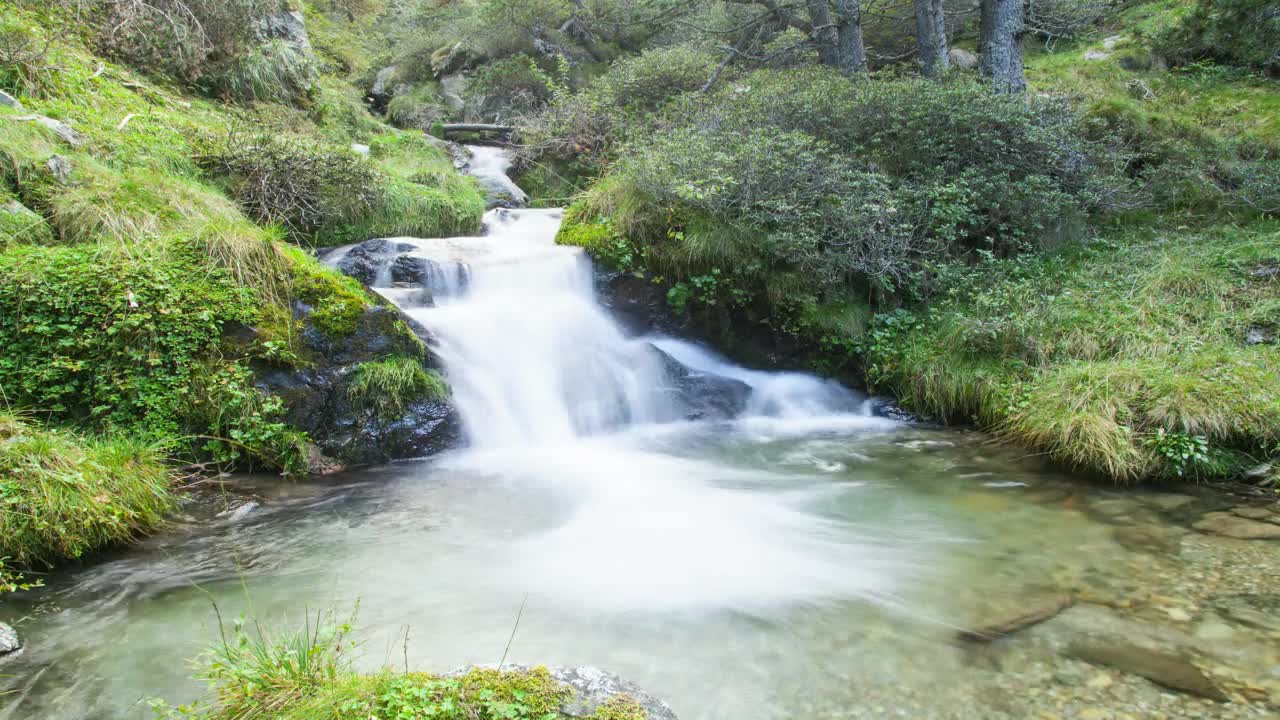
<point>1180,450</point>
<point>418,108</point>
<point>387,387</point>
<point>13,581</point>
<point>26,62</point>
<point>96,334</point>
<point>654,77</point>
<point>511,87</point>
<point>241,421</point>
<point>64,496</point>
<point>336,301</point>
<point>1113,358</point>
<point>18,224</point>
<point>1235,32</point>
<point>273,71</point>
<point>305,675</point>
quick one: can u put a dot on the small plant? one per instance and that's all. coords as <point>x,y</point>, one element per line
<point>1181,451</point>
<point>387,387</point>
<point>13,581</point>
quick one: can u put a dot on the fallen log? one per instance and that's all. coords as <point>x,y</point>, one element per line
<point>477,128</point>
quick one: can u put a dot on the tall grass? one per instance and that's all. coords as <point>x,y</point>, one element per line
<point>66,495</point>
<point>388,386</point>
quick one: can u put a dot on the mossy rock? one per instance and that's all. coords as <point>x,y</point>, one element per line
<point>20,224</point>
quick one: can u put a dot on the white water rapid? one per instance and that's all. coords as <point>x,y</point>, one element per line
<point>554,396</point>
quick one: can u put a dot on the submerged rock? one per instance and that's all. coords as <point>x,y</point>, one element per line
<point>1168,668</point>
<point>1017,618</point>
<point>1233,526</point>
<point>9,641</point>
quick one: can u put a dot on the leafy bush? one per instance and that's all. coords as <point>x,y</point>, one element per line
<point>508,88</point>
<point>65,496</point>
<point>26,63</point>
<point>1234,32</point>
<point>650,79</point>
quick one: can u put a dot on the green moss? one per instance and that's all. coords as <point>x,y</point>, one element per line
<point>336,301</point>
<point>66,496</point>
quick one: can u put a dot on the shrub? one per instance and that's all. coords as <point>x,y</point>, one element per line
<point>508,88</point>
<point>65,496</point>
<point>1066,19</point>
<point>272,71</point>
<point>26,63</point>
<point>417,109</point>
<point>1233,32</point>
<point>296,182</point>
<point>654,77</point>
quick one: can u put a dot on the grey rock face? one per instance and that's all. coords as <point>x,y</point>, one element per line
<point>65,132</point>
<point>10,101</point>
<point>60,168</point>
<point>961,58</point>
<point>9,641</point>
<point>289,26</point>
<point>593,687</point>
<point>454,88</point>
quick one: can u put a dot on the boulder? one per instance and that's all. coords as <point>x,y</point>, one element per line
<point>1233,526</point>
<point>452,59</point>
<point>702,395</point>
<point>18,222</point>
<point>365,261</point>
<point>409,269</point>
<point>889,409</point>
<point>289,26</point>
<point>1258,336</point>
<point>961,58</point>
<point>382,91</point>
<point>10,101</point>
<point>60,168</point>
<point>65,132</point>
<point>10,643</point>
<point>317,399</point>
<point>453,88</point>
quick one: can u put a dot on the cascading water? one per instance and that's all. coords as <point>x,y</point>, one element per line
<point>552,393</point>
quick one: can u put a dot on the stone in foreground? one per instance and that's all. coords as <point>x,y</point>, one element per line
<point>592,689</point>
<point>9,641</point>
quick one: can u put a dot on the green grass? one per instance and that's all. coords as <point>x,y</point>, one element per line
<point>305,674</point>
<point>65,495</point>
<point>390,385</point>
<point>1087,354</point>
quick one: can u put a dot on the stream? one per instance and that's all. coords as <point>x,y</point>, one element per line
<point>741,543</point>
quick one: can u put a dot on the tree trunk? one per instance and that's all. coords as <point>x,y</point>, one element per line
<point>853,52</point>
<point>1002,29</point>
<point>931,37</point>
<point>825,33</point>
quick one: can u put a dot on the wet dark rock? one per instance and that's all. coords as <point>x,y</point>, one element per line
<point>1017,617</point>
<point>10,643</point>
<point>1265,272</point>
<point>364,261</point>
<point>1169,668</point>
<point>409,269</point>
<point>1233,526</point>
<point>890,410</point>
<point>705,396</point>
<point>317,397</point>
<point>592,689</point>
<point>1258,336</point>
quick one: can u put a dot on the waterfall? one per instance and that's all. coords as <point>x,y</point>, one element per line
<point>531,357</point>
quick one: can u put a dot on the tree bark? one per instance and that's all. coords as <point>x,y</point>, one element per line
<point>931,37</point>
<point>825,33</point>
<point>1001,44</point>
<point>853,51</point>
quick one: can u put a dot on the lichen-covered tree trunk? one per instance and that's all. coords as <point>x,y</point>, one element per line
<point>931,37</point>
<point>853,52</point>
<point>825,33</point>
<point>1001,44</point>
